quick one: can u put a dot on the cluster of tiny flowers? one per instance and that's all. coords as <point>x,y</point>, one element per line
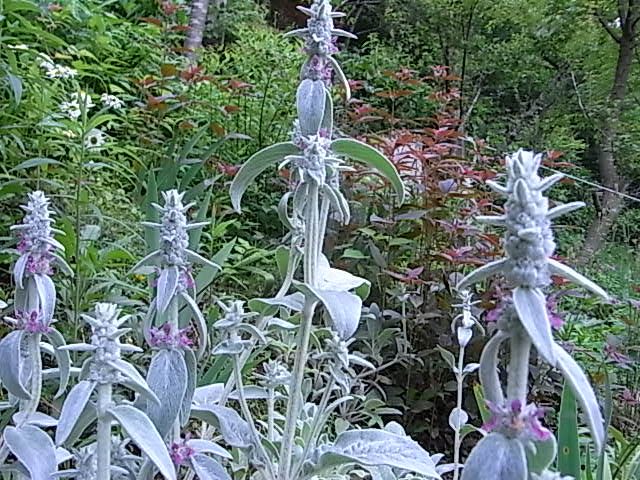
<point>111,101</point>
<point>36,242</point>
<point>30,322</point>
<point>180,452</point>
<point>555,318</point>
<point>53,70</point>
<point>73,109</point>
<point>514,420</point>
<point>528,239</point>
<point>167,336</point>
<point>320,40</point>
<point>174,239</point>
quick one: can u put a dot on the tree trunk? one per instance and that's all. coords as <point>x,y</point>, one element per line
<point>197,23</point>
<point>612,204</point>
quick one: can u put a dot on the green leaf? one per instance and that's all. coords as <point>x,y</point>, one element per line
<point>15,83</point>
<point>36,162</point>
<point>362,152</point>
<point>568,440</point>
<point>257,164</point>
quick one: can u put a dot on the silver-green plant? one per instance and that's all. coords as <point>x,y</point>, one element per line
<point>92,400</point>
<point>518,447</point>
<point>301,449</point>
<point>33,317</point>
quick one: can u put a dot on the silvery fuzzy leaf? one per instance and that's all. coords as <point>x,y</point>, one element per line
<point>134,380</point>
<point>458,418</point>
<point>201,324</point>
<point>343,308</point>
<point>144,434</point>
<point>557,268</point>
<point>531,306</point>
<point>542,455</point>
<point>74,405</point>
<point>560,210</point>
<point>63,455</point>
<point>208,394</point>
<point>37,419</point>
<point>3,305</point>
<point>372,447</point>
<point>550,181</point>
<point>167,286</point>
<point>343,33</point>
<point>150,259</point>
<point>192,381</point>
<point>496,457</point>
<point>489,369</point>
<point>584,394</point>
<point>85,419</point>
<point>62,264</point>
<point>62,357</point>
<point>167,378</point>
<point>358,360</point>
<point>279,323</point>
<point>251,392</point>
<point>299,32</point>
<point>310,101</point>
<point>479,274</point>
<point>34,450</point>
<point>47,293</point>
<point>339,204</point>
<point>257,164</point>
<point>207,446</point>
<point>18,270</point>
<point>231,347</point>
<point>15,468</point>
<point>234,429</point>
<point>294,302</point>
<point>327,119</point>
<point>11,359</point>
<point>336,279</point>
<point>206,468</point>
<point>341,76</point>
<point>200,260</point>
<point>470,368</point>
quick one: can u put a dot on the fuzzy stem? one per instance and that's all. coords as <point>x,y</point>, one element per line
<point>249,418</point>
<point>271,411</point>
<point>104,432</point>
<point>295,396</point>
<point>174,320</point>
<point>518,372</point>
<point>324,218</point>
<point>456,441</point>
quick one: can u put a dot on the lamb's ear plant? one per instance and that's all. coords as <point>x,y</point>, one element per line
<point>92,400</point>
<point>315,159</point>
<point>20,350</point>
<point>518,447</point>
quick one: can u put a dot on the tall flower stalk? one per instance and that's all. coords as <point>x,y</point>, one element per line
<point>518,447</point>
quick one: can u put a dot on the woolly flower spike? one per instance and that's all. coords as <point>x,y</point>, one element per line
<point>174,279</point>
<point>105,346</point>
<point>168,337</point>
<point>320,43</point>
<point>275,374</point>
<point>517,421</point>
<point>86,461</point>
<point>181,452</point>
<point>29,322</point>
<point>233,324</point>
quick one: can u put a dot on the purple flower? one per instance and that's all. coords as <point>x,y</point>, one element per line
<point>515,420</point>
<point>168,337</point>
<point>180,452</point>
<point>613,355</point>
<point>31,322</point>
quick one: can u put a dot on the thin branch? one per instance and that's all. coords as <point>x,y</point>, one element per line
<point>575,87</point>
<point>608,29</point>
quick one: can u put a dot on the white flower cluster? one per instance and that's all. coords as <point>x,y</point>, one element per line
<point>54,70</point>
<point>95,139</point>
<point>72,108</point>
<point>111,101</point>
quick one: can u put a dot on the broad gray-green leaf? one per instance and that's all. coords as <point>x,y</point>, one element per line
<point>167,285</point>
<point>207,468</point>
<point>364,153</point>
<point>47,293</point>
<point>167,378</point>
<point>569,273</point>
<point>192,381</point>
<point>201,324</point>
<point>481,273</point>
<point>207,446</point>
<point>343,308</point>
<point>496,457</point>
<point>85,419</point>
<point>488,373</point>
<point>257,164</point>
<point>134,380</point>
<point>372,447</point>
<point>234,429</point>
<point>584,394</point>
<point>208,394</point>
<point>458,418</point>
<point>294,302</point>
<point>327,119</point>
<point>37,419</point>
<point>74,405</point>
<point>144,434</point>
<point>532,312</point>
<point>11,361</point>
<point>34,450</point>
<point>544,456</point>
<point>62,357</point>
<point>336,279</point>
<point>310,100</point>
